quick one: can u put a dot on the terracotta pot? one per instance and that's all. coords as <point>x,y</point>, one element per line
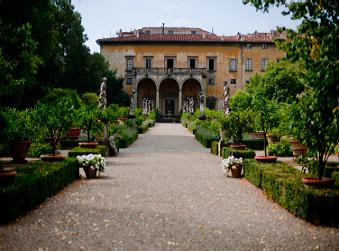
<point>88,144</point>
<point>236,171</point>
<point>7,175</point>
<point>19,149</point>
<point>298,148</point>
<point>73,133</point>
<point>266,159</point>
<point>316,183</point>
<point>51,157</point>
<point>238,146</point>
<point>256,135</point>
<point>90,172</point>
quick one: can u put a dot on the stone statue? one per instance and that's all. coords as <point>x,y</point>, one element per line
<point>113,149</point>
<point>202,108</point>
<point>131,106</point>
<point>102,95</point>
<point>226,98</point>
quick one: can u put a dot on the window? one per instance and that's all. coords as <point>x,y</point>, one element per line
<point>248,46</point>
<point>233,64</point>
<point>210,81</point>
<point>148,62</point>
<point>264,63</point>
<point>170,32</point>
<point>147,32</point>
<point>211,64</point>
<point>170,63</point>
<point>129,63</point>
<point>193,32</point>
<point>264,46</point>
<point>248,64</point>
<point>233,81</point>
<point>129,81</point>
<point>192,63</point>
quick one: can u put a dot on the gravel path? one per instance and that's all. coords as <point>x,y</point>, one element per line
<point>165,192</point>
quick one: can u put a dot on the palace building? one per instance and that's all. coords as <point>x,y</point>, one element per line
<point>166,68</point>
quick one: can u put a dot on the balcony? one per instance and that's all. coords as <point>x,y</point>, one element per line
<point>166,71</point>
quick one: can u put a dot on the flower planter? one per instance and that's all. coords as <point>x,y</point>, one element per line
<point>266,159</point>
<point>316,183</point>
<point>88,144</point>
<point>238,146</point>
<point>256,135</point>
<point>19,149</point>
<point>91,173</point>
<point>51,157</point>
<point>298,148</point>
<point>73,133</point>
<point>236,171</point>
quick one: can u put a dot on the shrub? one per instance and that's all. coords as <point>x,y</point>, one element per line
<point>126,137</point>
<point>205,136</point>
<point>281,148</point>
<point>245,154</point>
<point>37,148</point>
<point>282,183</point>
<point>143,127</point>
<point>77,151</point>
<point>33,184</point>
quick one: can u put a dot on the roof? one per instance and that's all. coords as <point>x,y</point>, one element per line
<point>139,36</point>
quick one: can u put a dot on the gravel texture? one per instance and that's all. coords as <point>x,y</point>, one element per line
<point>165,192</point>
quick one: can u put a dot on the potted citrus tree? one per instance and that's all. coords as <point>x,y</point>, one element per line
<point>88,120</point>
<point>19,131</point>
<point>55,114</point>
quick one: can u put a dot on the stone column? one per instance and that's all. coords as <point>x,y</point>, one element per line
<point>180,100</point>
<point>157,100</point>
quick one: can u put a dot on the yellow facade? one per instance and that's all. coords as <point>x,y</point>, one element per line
<point>185,54</point>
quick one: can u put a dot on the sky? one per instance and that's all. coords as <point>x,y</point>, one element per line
<point>103,18</point>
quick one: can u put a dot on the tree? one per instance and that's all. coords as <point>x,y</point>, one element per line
<point>115,94</point>
<point>264,109</point>
<point>281,81</point>
<point>55,114</point>
<point>316,44</point>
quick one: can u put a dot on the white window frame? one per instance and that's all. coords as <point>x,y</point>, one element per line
<point>248,64</point>
<point>233,64</point>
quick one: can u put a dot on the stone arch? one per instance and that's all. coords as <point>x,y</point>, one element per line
<point>169,97</point>
<point>188,78</point>
<point>191,88</point>
<point>146,89</point>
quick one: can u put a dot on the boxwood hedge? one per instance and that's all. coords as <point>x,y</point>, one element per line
<point>282,183</point>
<point>33,184</point>
<point>245,154</point>
<point>205,136</point>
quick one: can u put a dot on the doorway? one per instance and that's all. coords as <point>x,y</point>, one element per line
<point>169,108</point>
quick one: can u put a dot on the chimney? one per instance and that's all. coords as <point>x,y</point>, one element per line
<point>163,28</point>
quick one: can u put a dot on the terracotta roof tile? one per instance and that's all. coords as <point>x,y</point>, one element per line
<point>257,37</point>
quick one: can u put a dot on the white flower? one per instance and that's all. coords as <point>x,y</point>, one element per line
<point>92,160</point>
<point>228,163</point>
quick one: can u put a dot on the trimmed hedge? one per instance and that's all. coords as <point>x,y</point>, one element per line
<point>245,154</point>
<point>205,136</point>
<point>214,147</point>
<point>282,183</point>
<point>255,144</point>
<point>126,137</point>
<point>100,149</point>
<point>33,184</point>
<point>191,126</point>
